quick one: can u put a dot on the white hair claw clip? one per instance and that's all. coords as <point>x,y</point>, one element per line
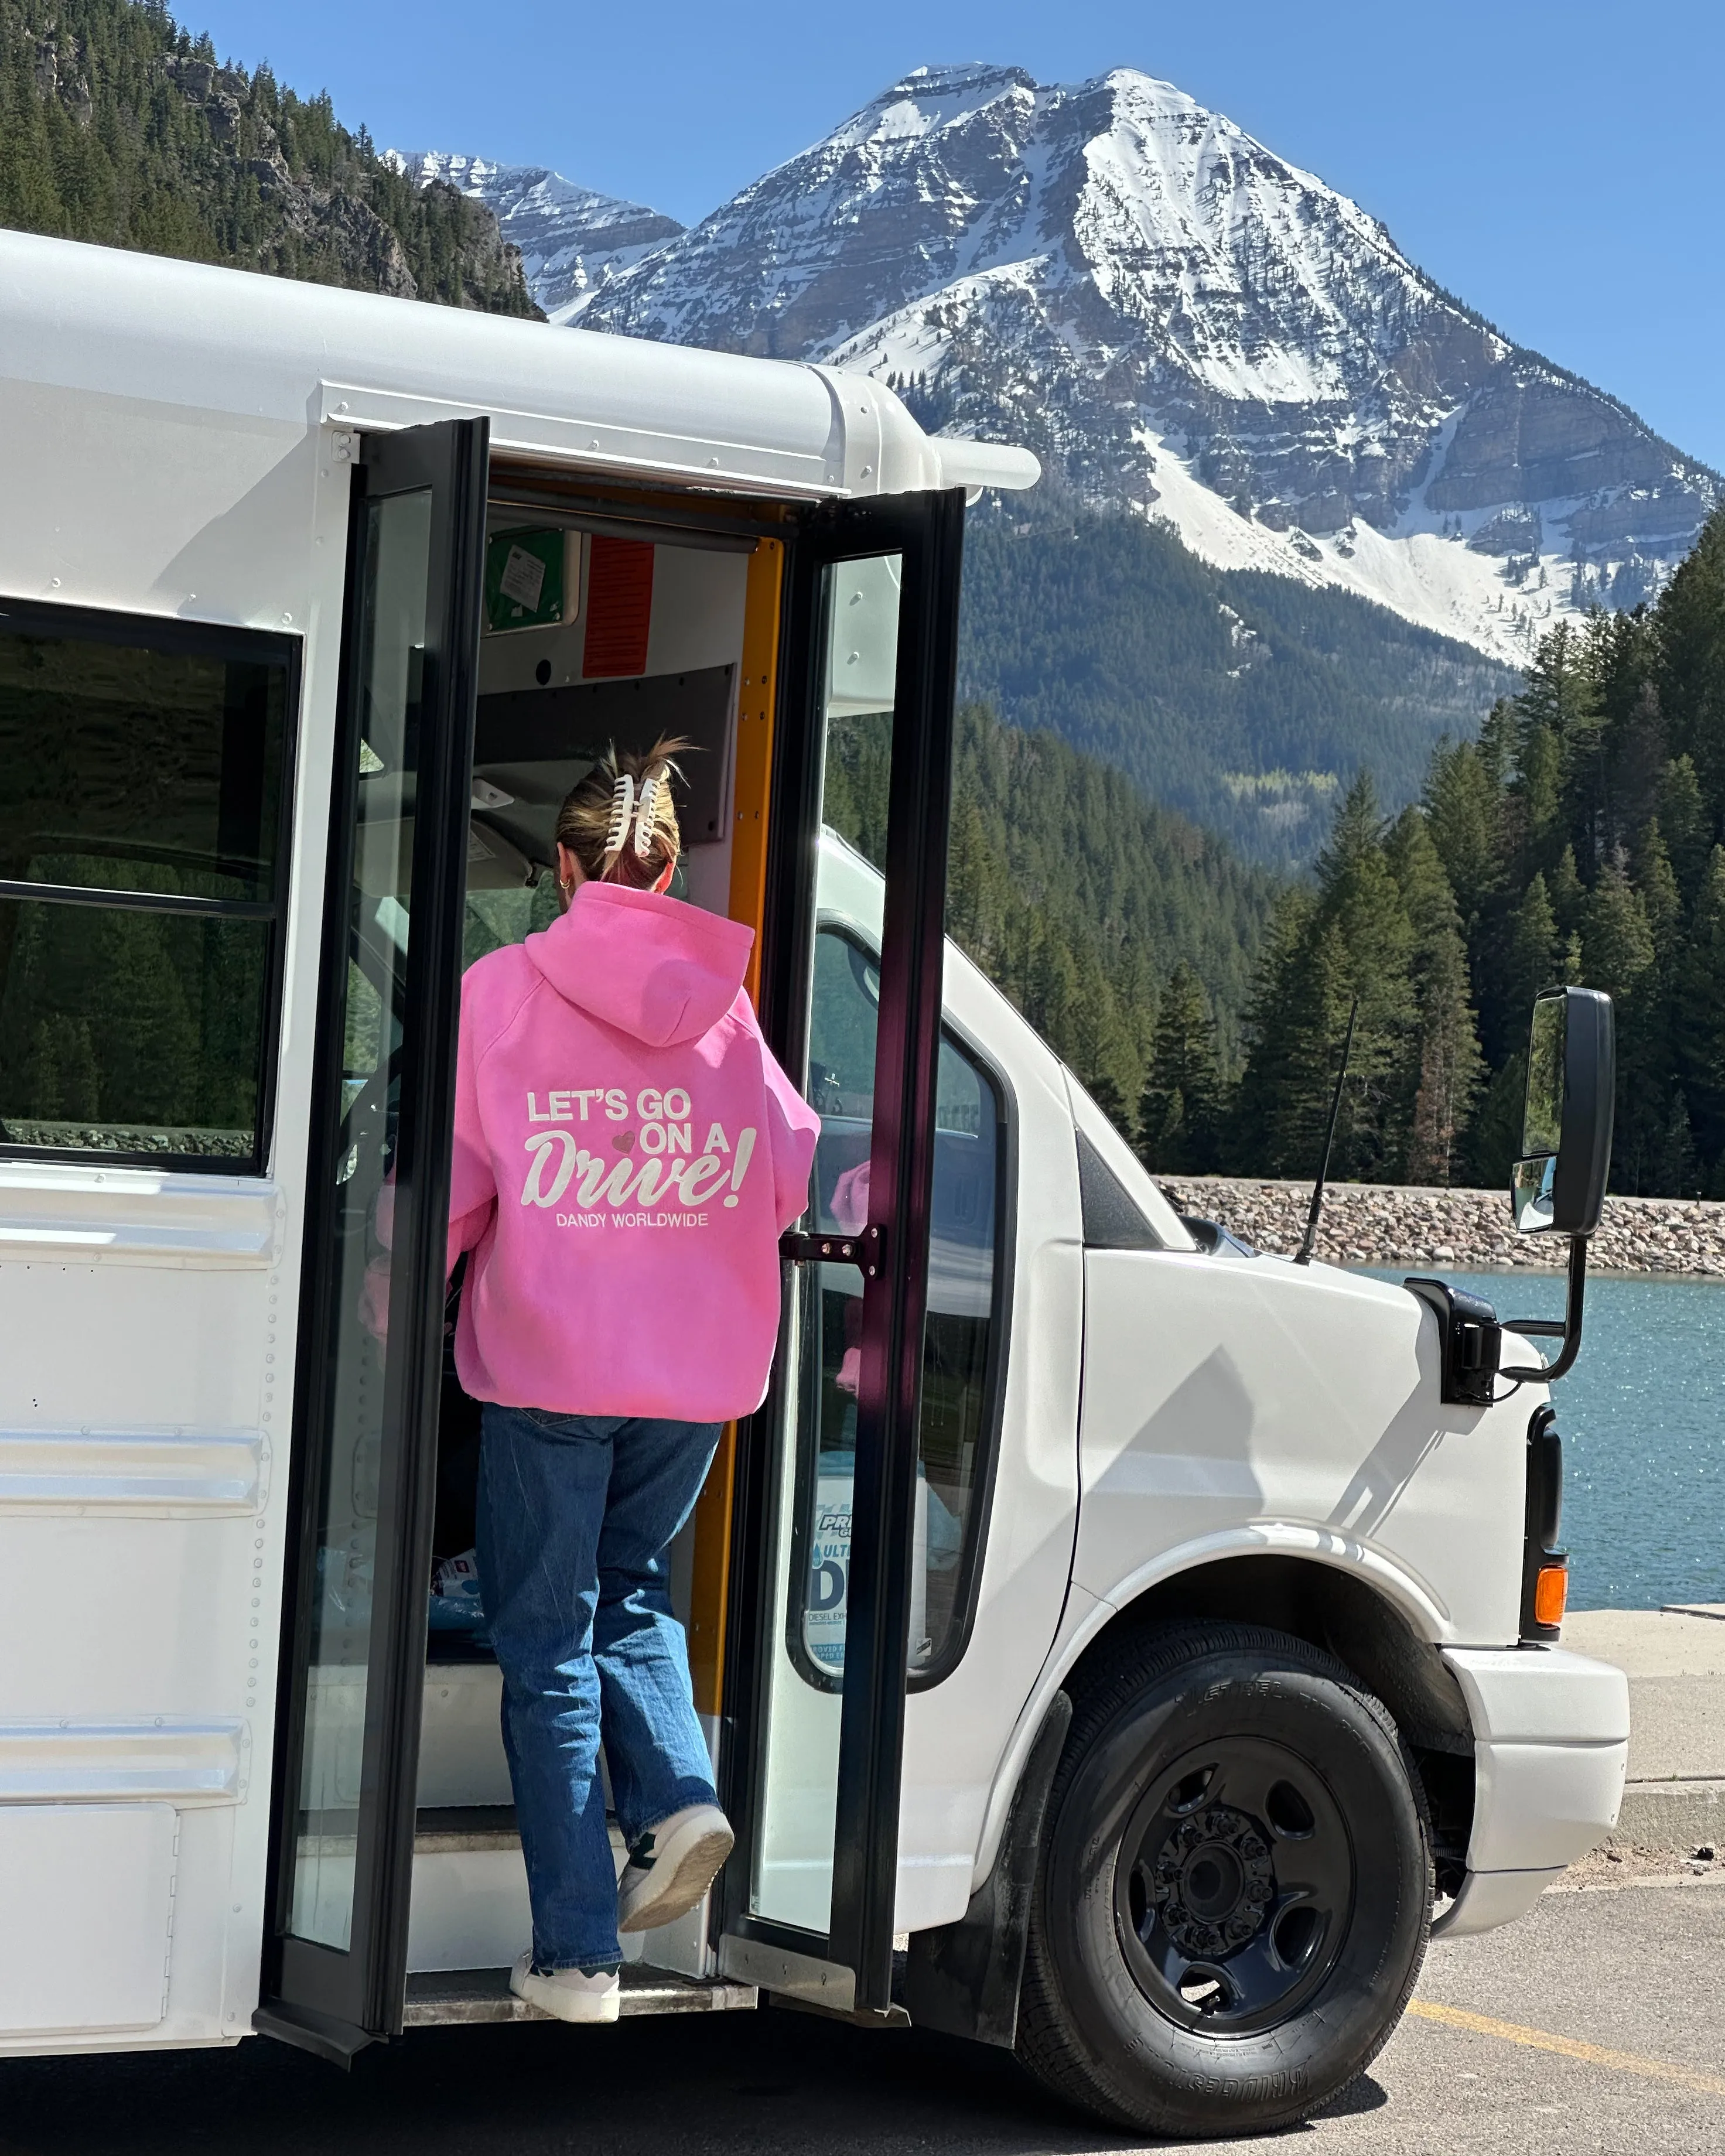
<point>623,802</point>
<point>647,814</point>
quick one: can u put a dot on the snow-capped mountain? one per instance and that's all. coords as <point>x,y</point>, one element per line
<point>572,241</point>
<point>1181,322</point>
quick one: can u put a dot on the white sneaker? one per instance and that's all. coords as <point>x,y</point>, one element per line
<point>671,1866</point>
<point>566,1994</point>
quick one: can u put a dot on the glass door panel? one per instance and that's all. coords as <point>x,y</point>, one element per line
<point>861,804</point>
<point>960,1326</point>
<point>814,1436</point>
<point>396,539</point>
<point>371,1321</point>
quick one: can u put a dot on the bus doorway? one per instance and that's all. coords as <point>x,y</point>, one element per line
<point>503,625</point>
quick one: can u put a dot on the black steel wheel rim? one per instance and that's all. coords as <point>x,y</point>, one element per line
<point>1234,1886</point>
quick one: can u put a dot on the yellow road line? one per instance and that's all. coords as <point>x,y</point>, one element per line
<point>1567,2047</point>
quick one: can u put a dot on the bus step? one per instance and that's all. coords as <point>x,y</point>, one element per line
<point>438,1997</point>
<point>453,1829</point>
<point>446,1828</point>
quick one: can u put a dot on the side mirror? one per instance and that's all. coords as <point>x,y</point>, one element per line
<point>1558,1185</point>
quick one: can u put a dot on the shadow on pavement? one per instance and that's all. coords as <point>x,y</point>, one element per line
<point>769,2082</point>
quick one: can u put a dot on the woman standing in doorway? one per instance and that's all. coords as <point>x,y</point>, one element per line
<point>627,1155</point>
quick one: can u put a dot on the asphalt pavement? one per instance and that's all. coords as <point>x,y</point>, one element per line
<point>1594,2027</point>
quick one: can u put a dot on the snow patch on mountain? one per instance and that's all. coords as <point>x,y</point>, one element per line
<point>1422,576</point>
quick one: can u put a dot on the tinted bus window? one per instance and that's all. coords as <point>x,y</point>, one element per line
<point>144,778</point>
<point>963,1314</point>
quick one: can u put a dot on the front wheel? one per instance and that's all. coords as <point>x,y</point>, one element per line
<point>1235,1890</point>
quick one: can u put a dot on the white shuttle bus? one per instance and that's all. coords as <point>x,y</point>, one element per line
<point>1131,1665</point>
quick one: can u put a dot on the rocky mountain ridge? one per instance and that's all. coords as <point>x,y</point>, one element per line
<point>1185,325</point>
<point>571,240</point>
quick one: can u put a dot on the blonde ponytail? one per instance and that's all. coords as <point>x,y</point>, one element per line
<point>620,823</point>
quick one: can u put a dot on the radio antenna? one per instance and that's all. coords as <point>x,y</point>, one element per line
<point>1303,1257</point>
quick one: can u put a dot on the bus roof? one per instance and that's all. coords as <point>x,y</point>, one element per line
<point>251,347</point>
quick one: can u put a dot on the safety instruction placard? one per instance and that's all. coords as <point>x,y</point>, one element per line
<point>525,579</point>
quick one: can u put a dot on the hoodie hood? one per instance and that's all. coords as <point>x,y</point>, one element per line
<point>654,967</point>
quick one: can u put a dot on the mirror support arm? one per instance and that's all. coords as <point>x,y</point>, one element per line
<point>1569,1330</point>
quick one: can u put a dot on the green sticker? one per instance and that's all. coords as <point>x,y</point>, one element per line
<point>524,579</point>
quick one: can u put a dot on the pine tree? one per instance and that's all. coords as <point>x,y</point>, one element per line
<point>1568,897</point>
<point>1579,834</point>
<point>1698,1023</point>
<point>1179,1111</point>
<point>1294,1023</point>
<point>1636,751</point>
<point>1691,688</point>
<point>1096,1044</point>
<point>107,134</point>
<point>1652,1152</point>
<point>1494,1137</point>
<point>1656,881</point>
<point>1450,1068</point>
<point>1077,897</point>
<point>1682,820</point>
<point>1463,809</point>
<point>1358,898</point>
<point>1106,1092</point>
<point>1535,953</point>
<point>1536,795</point>
<point>1617,942</point>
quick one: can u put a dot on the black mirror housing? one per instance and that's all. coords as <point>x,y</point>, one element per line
<point>1558,1184</point>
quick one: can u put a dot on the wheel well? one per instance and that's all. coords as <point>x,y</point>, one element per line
<point>1350,1619</point>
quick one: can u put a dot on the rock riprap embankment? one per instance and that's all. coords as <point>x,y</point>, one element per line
<point>1372,1224</point>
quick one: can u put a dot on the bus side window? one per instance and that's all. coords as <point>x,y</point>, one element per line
<point>964,1305</point>
<point>143,800</point>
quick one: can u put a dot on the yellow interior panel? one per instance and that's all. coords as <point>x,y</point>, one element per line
<point>756,705</point>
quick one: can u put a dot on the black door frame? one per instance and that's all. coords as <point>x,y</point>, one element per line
<point>325,2000</point>
<point>927,530</point>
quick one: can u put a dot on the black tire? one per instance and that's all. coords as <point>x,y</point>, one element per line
<point>1234,1892</point>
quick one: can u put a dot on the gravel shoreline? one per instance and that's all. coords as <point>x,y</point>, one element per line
<point>1372,1223</point>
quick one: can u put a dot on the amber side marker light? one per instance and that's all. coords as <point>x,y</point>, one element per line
<point>1551,1592</point>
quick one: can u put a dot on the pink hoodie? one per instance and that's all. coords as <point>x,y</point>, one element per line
<point>627,1154</point>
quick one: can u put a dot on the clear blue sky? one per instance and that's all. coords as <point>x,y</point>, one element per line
<point>1555,165</point>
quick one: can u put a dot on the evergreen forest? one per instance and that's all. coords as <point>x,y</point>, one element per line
<point>1577,839</point>
<point>117,127</point>
<point>1076,896</point>
<point>1241,700</point>
<point>1079,897</point>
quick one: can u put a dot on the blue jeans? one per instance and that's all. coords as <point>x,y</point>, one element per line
<point>576,1514</point>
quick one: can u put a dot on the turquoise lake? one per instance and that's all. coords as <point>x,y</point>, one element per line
<point>1643,1419</point>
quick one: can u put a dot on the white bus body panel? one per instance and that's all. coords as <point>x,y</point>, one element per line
<point>86,1911</point>
<point>150,1316</point>
<point>1551,1749</point>
<point>1238,1404</point>
<point>176,346</point>
<point>957,1732</point>
<point>145,1407</point>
